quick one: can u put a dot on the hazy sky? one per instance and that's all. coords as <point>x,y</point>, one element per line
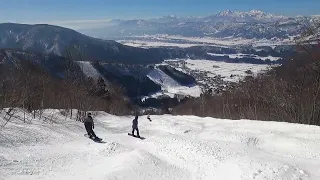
<point>81,13</point>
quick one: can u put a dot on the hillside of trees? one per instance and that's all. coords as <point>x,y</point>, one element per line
<point>29,86</point>
<point>290,93</point>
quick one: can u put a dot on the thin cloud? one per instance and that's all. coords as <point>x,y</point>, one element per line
<point>80,21</point>
<point>79,24</point>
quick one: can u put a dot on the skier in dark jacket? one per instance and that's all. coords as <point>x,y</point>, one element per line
<point>89,125</point>
<point>135,126</point>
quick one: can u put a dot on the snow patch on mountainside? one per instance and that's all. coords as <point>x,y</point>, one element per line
<point>169,85</point>
<point>88,69</point>
<point>162,79</point>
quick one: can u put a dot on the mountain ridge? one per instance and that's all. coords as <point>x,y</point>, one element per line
<point>50,39</point>
<point>251,24</point>
<point>220,13</point>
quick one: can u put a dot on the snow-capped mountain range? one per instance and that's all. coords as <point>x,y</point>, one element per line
<point>252,24</point>
<point>254,15</point>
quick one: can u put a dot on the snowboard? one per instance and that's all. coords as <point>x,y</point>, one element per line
<point>142,138</point>
<point>94,139</point>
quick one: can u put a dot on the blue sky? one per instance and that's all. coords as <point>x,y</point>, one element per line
<point>97,11</point>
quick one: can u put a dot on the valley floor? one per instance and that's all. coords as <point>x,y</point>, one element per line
<point>175,147</point>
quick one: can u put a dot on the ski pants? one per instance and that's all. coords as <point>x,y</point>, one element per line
<point>135,128</point>
<point>88,126</point>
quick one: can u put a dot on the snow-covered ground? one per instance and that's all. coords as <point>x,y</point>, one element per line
<point>240,55</point>
<point>231,41</point>
<point>232,72</point>
<point>225,69</point>
<point>150,44</point>
<point>171,87</point>
<point>175,147</point>
<point>163,40</point>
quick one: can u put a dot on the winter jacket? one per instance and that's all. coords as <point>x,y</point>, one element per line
<point>135,123</point>
<point>88,119</point>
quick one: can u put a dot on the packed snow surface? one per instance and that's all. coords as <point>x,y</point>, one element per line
<point>175,147</point>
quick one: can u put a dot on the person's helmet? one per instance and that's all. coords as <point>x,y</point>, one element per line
<point>89,114</point>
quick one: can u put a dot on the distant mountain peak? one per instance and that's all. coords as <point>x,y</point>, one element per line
<point>229,23</point>
<point>172,16</point>
<point>168,17</point>
<point>242,13</point>
<point>115,20</point>
<point>248,15</point>
<point>226,13</point>
<point>254,11</point>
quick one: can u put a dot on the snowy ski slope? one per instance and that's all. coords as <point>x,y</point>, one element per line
<point>175,147</point>
<point>88,69</point>
<point>170,86</point>
<point>162,79</point>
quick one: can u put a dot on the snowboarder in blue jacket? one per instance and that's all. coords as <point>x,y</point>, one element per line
<point>135,125</point>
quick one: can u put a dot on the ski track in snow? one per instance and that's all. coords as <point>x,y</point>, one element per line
<point>176,147</point>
